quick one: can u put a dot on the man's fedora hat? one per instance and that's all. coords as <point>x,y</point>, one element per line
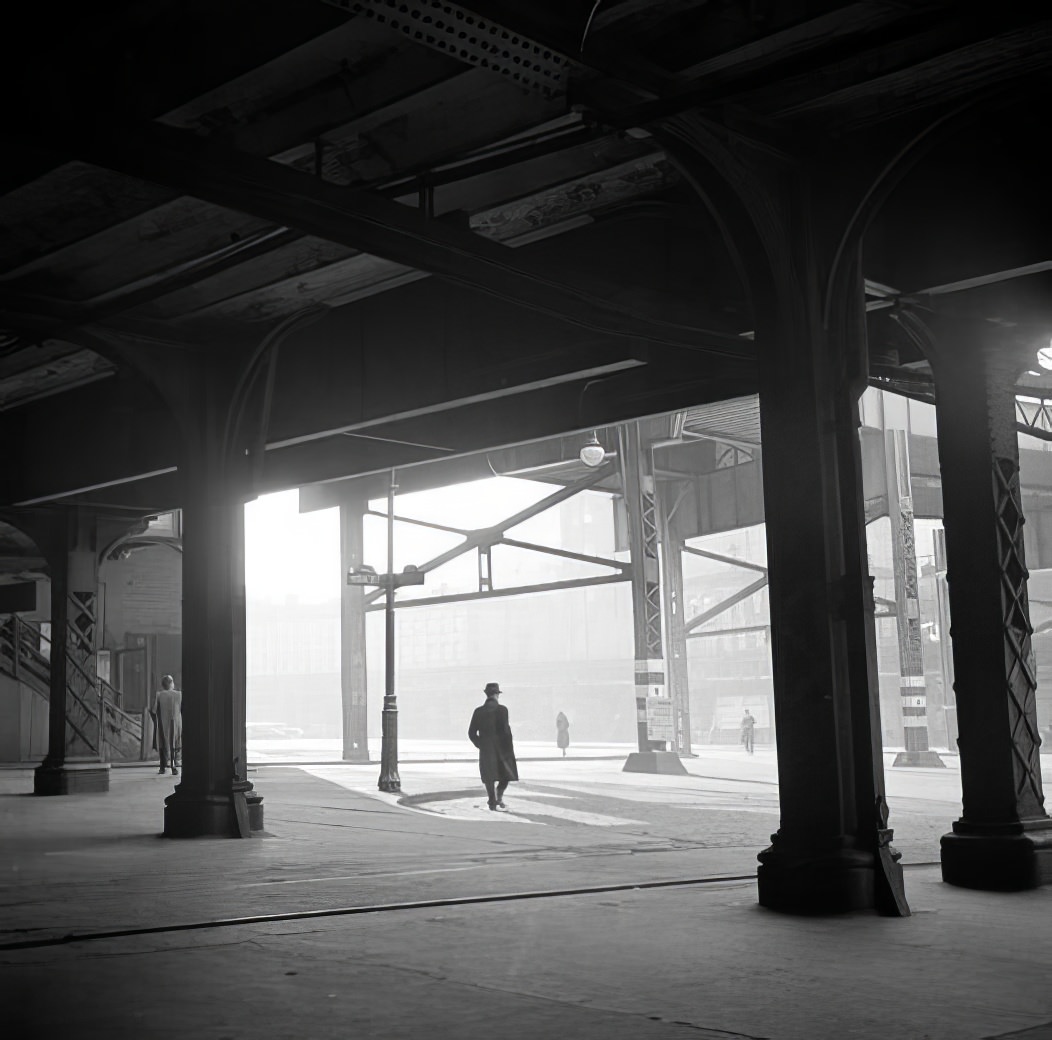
<point>492,689</point>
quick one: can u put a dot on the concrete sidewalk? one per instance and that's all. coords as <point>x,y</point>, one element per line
<point>420,922</point>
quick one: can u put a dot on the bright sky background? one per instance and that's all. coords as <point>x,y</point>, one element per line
<point>289,554</point>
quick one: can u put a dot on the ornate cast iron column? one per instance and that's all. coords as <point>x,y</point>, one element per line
<point>790,228</point>
<point>75,761</point>
<point>214,796</point>
<point>1003,839</point>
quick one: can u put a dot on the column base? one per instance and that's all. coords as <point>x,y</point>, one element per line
<point>820,882</point>
<point>665,762</point>
<point>998,859</point>
<point>255,811</point>
<point>922,759</point>
<point>72,778</point>
<point>209,816</point>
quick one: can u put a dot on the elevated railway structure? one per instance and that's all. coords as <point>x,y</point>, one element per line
<point>257,247</point>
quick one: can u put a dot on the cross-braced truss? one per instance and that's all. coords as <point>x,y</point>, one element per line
<point>484,539</point>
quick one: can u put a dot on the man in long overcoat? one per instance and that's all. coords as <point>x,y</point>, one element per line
<point>169,724</point>
<point>491,734</point>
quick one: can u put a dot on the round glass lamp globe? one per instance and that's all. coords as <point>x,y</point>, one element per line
<point>593,454</point>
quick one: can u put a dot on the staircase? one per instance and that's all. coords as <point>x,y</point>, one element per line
<point>24,657</point>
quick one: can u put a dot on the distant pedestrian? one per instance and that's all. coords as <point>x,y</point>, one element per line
<point>562,732</point>
<point>490,732</point>
<point>169,725</point>
<point>748,724</point>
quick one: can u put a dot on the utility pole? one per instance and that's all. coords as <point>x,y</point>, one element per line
<point>912,687</point>
<point>366,575</point>
<point>353,680</point>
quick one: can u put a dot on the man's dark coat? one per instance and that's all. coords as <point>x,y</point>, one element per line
<point>490,733</point>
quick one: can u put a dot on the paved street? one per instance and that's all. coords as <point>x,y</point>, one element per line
<point>333,839</point>
<point>604,905</point>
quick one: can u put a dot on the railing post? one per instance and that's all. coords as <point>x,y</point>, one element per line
<point>16,646</point>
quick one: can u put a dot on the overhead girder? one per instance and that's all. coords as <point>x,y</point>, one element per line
<point>905,52</point>
<point>102,434</point>
<point>492,424</point>
<point>124,468</point>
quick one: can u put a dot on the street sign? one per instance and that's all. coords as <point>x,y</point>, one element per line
<point>367,576</point>
<point>660,720</point>
<point>354,578</point>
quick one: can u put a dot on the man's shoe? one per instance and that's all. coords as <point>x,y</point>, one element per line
<point>175,772</point>
<point>500,807</point>
<point>161,770</point>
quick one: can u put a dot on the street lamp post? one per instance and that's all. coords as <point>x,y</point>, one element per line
<point>365,575</point>
<point>389,778</point>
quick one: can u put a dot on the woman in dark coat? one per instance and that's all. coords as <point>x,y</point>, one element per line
<point>490,733</point>
<point>562,732</point>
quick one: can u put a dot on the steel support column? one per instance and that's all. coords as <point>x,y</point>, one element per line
<point>671,542</point>
<point>912,690</point>
<point>1003,839</point>
<point>637,483</point>
<point>214,796</point>
<point>794,229</point>
<point>353,676</point>
<point>832,850</point>
<point>76,747</point>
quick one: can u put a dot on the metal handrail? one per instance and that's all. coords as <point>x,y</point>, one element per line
<point>20,648</point>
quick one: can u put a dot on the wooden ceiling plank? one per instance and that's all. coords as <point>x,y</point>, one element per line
<point>349,53</point>
<point>169,235</point>
<point>73,201</point>
<point>24,359</point>
<point>301,256</point>
<point>442,122</point>
<point>889,91</point>
<point>638,14</point>
<point>835,27</point>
